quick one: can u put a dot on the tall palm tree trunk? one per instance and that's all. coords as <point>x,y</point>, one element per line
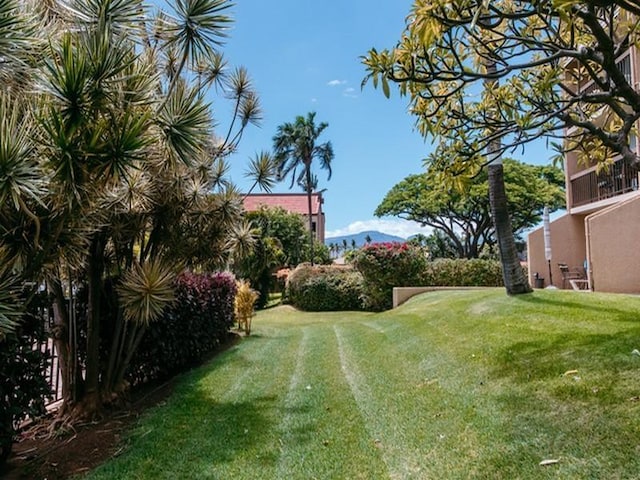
<point>514,280</point>
<point>310,210</point>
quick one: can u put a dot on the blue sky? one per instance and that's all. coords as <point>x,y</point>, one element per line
<point>303,56</point>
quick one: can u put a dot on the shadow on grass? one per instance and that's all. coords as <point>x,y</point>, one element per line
<point>211,430</point>
<point>568,397</point>
<point>571,300</point>
<point>199,436</point>
<point>553,355</point>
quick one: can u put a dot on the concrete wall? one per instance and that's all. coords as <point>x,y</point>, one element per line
<point>567,246</point>
<point>402,294</point>
<point>612,237</point>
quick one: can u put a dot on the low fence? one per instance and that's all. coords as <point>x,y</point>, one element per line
<point>44,315</point>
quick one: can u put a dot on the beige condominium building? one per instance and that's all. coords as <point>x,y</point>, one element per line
<point>593,246</point>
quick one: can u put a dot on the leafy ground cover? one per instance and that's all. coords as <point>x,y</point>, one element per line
<point>470,384</point>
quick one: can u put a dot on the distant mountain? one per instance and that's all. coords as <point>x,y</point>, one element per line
<point>361,238</point>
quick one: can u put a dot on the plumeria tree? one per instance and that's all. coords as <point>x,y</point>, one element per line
<point>484,77</point>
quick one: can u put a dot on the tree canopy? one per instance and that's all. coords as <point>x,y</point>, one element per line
<point>463,216</point>
<point>554,64</point>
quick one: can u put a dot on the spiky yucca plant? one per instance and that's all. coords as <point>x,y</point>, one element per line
<point>145,291</point>
<point>113,162</point>
<point>10,306</point>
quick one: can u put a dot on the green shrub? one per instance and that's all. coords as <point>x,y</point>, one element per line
<point>460,272</point>
<point>324,288</point>
<point>23,388</point>
<point>195,325</point>
<point>387,265</point>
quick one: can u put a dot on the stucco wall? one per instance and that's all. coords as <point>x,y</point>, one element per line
<point>567,246</point>
<point>612,237</point>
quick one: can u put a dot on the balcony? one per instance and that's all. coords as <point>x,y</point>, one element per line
<point>623,64</point>
<point>590,186</point>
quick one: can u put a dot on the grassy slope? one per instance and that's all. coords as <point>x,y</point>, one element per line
<point>451,385</point>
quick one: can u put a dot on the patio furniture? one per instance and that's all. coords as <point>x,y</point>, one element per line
<point>581,285</point>
<point>574,277</point>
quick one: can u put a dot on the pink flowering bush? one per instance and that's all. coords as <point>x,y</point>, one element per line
<point>387,265</point>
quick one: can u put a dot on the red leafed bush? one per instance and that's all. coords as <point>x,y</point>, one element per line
<point>199,321</point>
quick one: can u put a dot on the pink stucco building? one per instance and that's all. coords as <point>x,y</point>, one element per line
<point>293,203</point>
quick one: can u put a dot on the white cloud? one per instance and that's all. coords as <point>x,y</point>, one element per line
<point>314,100</point>
<point>350,92</point>
<point>400,228</point>
<point>336,83</point>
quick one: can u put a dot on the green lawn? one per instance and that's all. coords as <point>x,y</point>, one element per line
<point>451,385</point>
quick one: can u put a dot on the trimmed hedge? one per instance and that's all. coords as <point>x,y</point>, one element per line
<point>387,265</point>
<point>324,288</point>
<point>197,323</point>
<point>462,272</point>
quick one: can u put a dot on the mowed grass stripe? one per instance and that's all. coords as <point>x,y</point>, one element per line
<point>501,363</point>
<point>422,431</point>
<point>451,385</point>
<point>323,433</point>
<point>222,420</point>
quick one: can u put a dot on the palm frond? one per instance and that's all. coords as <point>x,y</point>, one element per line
<point>324,154</point>
<point>295,148</point>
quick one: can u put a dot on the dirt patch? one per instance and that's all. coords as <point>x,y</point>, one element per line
<point>35,456</point>
<point>88,445</point>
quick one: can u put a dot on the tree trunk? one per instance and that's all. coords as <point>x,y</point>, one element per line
<point>311,235</point>
<point>512,274</point>
<point>62,333</point>
<point>94,272</point>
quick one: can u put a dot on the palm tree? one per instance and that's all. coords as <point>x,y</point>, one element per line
<point>515,281</point>
<point>295,148</point>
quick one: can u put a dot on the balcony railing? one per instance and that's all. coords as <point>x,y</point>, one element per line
<point>623,64</point>
<point>591,187</point>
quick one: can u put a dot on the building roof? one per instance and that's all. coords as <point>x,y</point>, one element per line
<point>291,202</point>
